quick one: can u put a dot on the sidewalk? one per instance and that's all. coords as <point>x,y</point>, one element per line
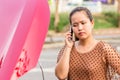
<point>108,35</point>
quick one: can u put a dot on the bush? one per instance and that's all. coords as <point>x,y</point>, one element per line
<point>104,20</point>
<point>51,26</point>
<point>63,22</point>
<point>112,17</point>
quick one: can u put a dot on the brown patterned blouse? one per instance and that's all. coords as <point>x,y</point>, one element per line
<point>93,65</point>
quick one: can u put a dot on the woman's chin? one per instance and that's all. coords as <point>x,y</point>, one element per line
<point>82,37</point>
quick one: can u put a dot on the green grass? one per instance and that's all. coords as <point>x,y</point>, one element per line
<point>63,22</point>
<point>106,20</point>
<point>103,20</point>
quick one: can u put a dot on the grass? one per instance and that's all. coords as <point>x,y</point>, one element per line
<point>63,22</point>
<point>103,20</point>
<point>106,20</point>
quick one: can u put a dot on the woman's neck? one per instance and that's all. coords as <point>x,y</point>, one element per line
<point>87,41</point>
<point>86,45</point>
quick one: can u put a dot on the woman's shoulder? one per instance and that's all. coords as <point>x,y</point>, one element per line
<point>105,46</point>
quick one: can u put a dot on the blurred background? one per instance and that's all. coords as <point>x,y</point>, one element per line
<point>106,15</point>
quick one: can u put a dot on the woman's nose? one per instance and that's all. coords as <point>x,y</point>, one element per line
<point>80,27</point>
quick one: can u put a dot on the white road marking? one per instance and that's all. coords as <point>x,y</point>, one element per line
<point>44,70</point>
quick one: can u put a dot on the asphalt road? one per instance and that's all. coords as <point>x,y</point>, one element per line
<point>48,61</point>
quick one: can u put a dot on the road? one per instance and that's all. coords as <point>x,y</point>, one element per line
<point>47,61</point>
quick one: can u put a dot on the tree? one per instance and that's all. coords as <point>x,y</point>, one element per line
<point>119,12</point>
<point>56,15</point>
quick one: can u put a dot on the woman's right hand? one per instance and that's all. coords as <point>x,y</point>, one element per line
<point>68,40</point>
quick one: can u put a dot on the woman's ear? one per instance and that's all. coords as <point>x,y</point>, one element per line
<point>92,23</point>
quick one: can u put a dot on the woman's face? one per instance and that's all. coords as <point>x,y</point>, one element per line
<point>81,25</point>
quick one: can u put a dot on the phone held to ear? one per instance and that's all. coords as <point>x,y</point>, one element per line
<point>72,34</point>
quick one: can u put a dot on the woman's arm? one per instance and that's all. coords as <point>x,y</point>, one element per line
<point>62,67</point>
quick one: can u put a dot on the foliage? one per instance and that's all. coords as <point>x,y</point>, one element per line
<point>103,20</point>
<point>63,21</point>
<point>106,20</point>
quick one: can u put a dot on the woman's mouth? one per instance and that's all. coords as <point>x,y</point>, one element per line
<point>81,33</point>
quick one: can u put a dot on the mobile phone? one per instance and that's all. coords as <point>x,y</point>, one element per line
<point>74,38</point>
<point>72,34</point>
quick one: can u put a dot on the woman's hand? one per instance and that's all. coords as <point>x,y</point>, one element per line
<point>68,40</point>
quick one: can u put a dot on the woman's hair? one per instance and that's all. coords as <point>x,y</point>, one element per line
<point>79,9</point>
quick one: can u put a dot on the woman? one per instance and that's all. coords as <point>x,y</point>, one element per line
<point>87,58</point>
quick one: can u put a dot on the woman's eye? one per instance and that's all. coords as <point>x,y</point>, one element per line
<point>75,25</point>
<point>83,23</point>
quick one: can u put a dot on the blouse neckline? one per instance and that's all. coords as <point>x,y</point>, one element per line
<point>94,48</point>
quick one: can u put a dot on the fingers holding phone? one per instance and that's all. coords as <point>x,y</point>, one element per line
<point>68,39</point>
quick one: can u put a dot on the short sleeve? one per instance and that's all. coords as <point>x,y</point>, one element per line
<point>112,57</point>
<point>60,53</point>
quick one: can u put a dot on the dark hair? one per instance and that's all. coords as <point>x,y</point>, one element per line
<point>78,9</point>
